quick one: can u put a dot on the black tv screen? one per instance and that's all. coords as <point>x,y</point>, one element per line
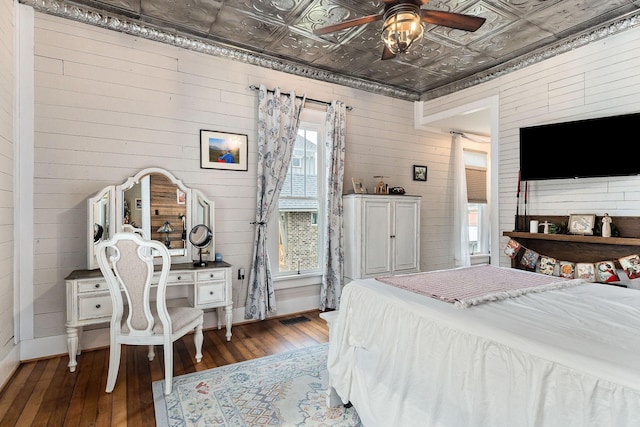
<point>599,147</point>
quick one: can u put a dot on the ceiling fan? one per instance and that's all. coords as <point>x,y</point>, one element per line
<point>403,24</point>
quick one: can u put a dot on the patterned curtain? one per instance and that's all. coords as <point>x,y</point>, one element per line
<point>278,122</point>
<point>335,126</point>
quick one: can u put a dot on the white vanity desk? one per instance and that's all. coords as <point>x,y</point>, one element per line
<point>89,302</point>
<point>159,206</point>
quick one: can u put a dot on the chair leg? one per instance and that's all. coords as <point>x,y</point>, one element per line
<point>151,354</point>
<point>168,366</point>
<point>197,338</point>
<point>114,365</point>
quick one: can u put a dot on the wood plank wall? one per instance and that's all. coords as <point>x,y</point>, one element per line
<point>164,202</point>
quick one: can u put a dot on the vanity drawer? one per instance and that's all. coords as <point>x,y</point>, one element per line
<point>210,275</point>
<point>91,307</point>
<point>92,286</point>
<point>180,277</point>
<point>211,293</point>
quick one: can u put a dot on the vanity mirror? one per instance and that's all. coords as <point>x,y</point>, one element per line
<point>156,204</point>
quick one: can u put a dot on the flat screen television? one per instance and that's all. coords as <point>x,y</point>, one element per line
<point>601,147</point>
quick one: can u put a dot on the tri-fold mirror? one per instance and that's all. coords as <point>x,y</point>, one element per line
<point>155,204</point>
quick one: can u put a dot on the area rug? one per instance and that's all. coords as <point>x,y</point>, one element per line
<point>286,389</point>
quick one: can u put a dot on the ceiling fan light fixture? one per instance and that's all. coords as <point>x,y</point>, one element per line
<point>402,27</point>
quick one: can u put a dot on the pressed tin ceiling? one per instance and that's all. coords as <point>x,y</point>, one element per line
<point>278,35</point>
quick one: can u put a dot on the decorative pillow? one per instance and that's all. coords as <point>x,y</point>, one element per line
<point>529,259</point>
<point>631,265</point>
<point>606,272</point>
<point>586,271</point>
<point>567,269</point>
<point>512,248</point>
<point>547,265</point>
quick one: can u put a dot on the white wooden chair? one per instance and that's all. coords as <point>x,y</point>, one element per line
<point>128,270</point>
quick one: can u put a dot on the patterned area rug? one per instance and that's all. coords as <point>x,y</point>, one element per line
<point>281,390</point>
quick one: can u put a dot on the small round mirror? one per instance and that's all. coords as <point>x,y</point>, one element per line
<point>200,237</point>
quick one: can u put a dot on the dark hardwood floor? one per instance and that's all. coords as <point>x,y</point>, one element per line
<point>45,393</point>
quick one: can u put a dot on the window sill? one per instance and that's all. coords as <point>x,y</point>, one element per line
<point>297,281</point>
<point>480,259</point>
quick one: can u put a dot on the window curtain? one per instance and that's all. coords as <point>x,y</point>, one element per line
<point>278,122</point>
<point>335,128</point>
<point>460,209</point>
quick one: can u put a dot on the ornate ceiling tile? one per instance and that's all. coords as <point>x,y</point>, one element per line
<point>249,31</point>
<point>428,51</point>
<point>496,20</point>
<point>456,62</point>
<point>276,10</point>
<point>508,42</point>
<point>130,6</point>
<point>324,13</point>
<point>299,46</point>
<point>196,15</point>
<point>384,71</point>
<point>578,15</point>
<point>346,58</point>
<point>420,79</point>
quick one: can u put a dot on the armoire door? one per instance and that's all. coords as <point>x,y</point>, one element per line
<point>376,237</point>
<point>406,235</point>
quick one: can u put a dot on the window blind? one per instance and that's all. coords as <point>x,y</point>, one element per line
<point>476,184</point>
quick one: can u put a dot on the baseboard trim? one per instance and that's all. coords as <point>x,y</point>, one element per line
<point>54,346</point>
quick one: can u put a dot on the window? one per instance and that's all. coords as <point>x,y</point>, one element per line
<point>297,237</point>
<point>476,172</point>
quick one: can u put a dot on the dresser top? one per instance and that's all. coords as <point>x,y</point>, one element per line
<point>187,266</point>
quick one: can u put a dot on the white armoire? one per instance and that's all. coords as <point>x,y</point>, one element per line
<point>382,235</point>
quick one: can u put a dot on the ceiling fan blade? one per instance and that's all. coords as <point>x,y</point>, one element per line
<point>452,20</point>
<point>387,54</point>
<point>347,24</point>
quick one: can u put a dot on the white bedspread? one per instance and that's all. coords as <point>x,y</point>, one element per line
<point>568,357</point>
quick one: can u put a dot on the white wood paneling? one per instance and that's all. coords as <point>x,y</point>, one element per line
<point>8,299</point>
<point>108,104</point>
<point>599,79</point>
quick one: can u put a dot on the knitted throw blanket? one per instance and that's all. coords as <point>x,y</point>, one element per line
<point>468,286</point>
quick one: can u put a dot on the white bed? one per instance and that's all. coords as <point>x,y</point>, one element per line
<point>565,357</point>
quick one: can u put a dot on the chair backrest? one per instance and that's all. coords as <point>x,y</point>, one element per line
<point>131,229</point>
<point>126,262</point>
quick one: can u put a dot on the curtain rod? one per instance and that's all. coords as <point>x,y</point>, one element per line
<point>475,138</point>
<point>317,101</point>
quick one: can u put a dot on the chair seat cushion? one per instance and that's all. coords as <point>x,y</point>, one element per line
<point>180,317</point>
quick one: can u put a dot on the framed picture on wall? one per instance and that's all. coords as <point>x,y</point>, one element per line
<point>223,150</point>
<point>419,173</point>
